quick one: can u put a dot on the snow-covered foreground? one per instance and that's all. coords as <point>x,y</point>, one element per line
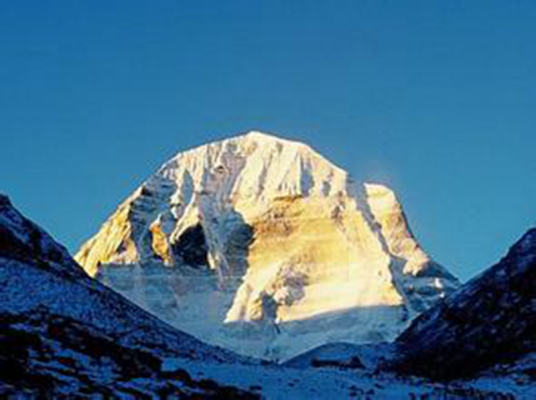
<point>280,382</point>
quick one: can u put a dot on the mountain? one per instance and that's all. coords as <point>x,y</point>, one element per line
<point>65,334</point>
<point>261,245</point>
<point>487,328</point>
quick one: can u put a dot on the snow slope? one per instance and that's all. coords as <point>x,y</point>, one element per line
<point>65,333</point>
<point>261,245</point>
<point>371,363</point>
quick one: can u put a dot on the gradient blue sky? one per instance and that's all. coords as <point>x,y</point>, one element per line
<point>435,98</point>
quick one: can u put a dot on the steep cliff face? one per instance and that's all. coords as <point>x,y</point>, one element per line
<point>490,323</point>
<point>262,245</point>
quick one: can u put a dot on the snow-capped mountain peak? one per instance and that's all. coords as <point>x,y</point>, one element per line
<point>247,241</point>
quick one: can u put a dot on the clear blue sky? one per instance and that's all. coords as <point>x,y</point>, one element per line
<point>435,98</point>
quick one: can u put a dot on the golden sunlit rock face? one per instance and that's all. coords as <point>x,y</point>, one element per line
<point>115,238</point>
<point>313,256</point>
<point>160,243</point>
<point>261,245</point>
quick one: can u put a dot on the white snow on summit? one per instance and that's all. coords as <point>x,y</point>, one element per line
<point>261,245</point>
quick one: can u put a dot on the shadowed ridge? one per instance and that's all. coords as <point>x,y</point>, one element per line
<point>23,240</point>
<point>490,320</point>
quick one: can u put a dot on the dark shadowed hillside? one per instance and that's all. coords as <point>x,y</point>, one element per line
<point>490,321</point>
<point>63,333</point>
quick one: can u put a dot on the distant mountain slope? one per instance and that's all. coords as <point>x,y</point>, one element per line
<point>487,325</point>
<point>63,333</point>
<point>261,245</point>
